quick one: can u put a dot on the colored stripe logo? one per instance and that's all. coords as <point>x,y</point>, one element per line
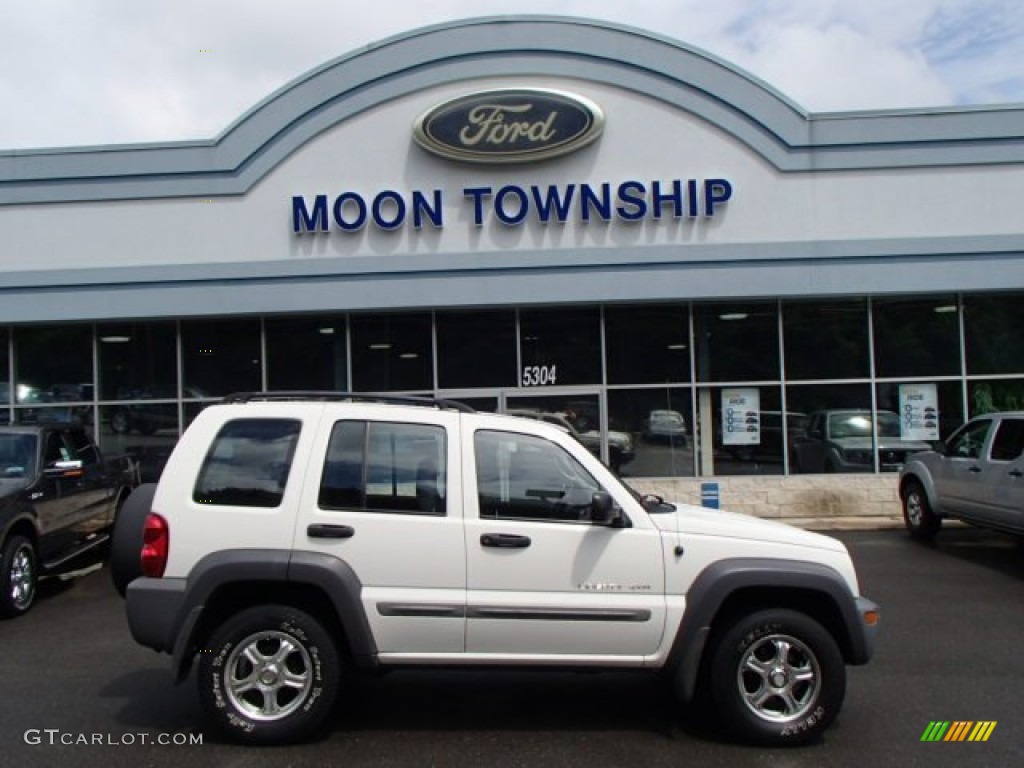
<point>958,730</point>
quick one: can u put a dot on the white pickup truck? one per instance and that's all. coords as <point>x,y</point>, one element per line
<point>296,536</point>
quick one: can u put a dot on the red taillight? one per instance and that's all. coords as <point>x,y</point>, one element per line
<point>156,540</point>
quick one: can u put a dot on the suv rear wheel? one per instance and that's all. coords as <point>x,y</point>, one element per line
<point>776,678</point>
<point>269,675</point>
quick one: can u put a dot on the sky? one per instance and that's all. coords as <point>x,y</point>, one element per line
<point>88,72</point>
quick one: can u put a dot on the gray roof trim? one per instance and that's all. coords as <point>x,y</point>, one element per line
<point>527,46</point>
<point>787,270</point>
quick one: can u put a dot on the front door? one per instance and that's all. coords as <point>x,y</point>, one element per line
<point>542,580</point>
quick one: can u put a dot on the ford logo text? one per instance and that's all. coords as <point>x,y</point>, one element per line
<point>510,125</point>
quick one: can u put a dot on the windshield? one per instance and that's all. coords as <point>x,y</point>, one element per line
<point>17,458</point>
<point>858,424</point>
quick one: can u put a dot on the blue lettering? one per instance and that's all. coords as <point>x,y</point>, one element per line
<point>478,194</point>
<point>675,198</point>
<point>421,206</point>
<point>691,197</point>
<point>715,191</point>
<point>339,211</point>
<point>631,194</point>
<point>301,219</point>
<point>499,205</point>
<point>553,200</point>
<point>381,204</point>
<point>590,199</point>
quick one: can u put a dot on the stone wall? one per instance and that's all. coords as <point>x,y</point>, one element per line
<point>818,501</point>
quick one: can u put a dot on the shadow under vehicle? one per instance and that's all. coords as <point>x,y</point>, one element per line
<point>976,475</point>
<point>844,440</point>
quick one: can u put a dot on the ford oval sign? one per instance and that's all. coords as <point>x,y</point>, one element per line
<point>509,125</point>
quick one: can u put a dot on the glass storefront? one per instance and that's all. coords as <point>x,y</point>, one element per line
<point>657,390</point>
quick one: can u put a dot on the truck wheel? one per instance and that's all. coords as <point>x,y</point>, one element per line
<point>269,675</point>
<point>18,577</point>
<point>777,678</point>
<point>126,540</point>
<point>921,522</point>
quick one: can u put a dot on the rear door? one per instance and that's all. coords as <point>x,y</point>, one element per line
<point>543,581</point>
<point>383,493</point>
<point>1005,500</point>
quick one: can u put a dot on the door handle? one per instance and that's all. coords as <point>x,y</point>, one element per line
<point>975,469</point>
<point>322,531</point>
<point>1016,473</point>
<point>504,540</point>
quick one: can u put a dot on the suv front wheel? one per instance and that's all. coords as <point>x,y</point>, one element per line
<point>777,678</point>
<point>269,675</point>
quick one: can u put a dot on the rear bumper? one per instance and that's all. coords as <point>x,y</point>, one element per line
<point>153,607</point>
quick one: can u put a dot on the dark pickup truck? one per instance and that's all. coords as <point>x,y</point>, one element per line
<point>58,499</point>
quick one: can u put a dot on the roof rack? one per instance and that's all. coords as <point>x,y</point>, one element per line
<point>352,397</point>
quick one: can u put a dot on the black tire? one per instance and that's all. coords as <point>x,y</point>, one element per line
<point>921,521</point>
<point>286,642</point>
<point>19,577</point>
<point>126,541</point>
<point>776,678</point>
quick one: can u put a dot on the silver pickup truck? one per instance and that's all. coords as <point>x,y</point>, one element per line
<point>977,475</point>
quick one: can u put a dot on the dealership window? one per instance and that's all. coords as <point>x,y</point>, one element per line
<point>476,349</point>
<point>560,346</point>
<point>6,391</point>
<point>737,342</point>
<point>647,344</point>
<point>746,430</point>
<point>826,339</point>
<point>220,357</point>
<point>992,329</point>
<point>837,433</point>
<point>392,353</point>
<point>987,396</point>
<point>53,364</point>
<point>138,361</point>
<point>659,423</point>
<point>306,353</point>
<point>916,337</point>
<point>928,411</point>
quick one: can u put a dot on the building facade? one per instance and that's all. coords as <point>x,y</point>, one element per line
<point>567,218</point>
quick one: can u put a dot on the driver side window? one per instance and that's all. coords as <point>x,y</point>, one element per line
<point>968,443</point>
<point>522,477</point>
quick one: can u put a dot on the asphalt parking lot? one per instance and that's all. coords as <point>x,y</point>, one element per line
<point>950,650</point>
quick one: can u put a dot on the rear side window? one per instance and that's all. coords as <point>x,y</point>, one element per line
<point>1008,444</point>
<point>248,463</point>
<point>385,467</point>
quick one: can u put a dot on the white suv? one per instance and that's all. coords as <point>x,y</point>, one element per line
<point>295,536</point>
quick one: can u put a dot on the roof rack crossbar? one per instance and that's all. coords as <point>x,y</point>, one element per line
<point>354,397</point>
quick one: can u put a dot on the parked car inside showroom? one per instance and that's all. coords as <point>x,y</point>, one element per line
<point>666,427</point>
<point>976,475</point>
<point>620,444</point>
<point>842,440</point>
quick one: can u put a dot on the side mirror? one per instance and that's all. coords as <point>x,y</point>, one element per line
<point>603,510</point>
<point>71,468</point>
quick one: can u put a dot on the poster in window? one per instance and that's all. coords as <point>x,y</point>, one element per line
<point>919,412</point>
<point>741,416</point>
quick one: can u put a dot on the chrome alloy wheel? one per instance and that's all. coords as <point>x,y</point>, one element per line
<point>269,675</point>
<point>22,577</point>
<point>779,678</point>
<point>915,512</point>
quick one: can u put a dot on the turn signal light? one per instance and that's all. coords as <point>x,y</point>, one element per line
<point>871,618</point>
<point>156,541</point>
